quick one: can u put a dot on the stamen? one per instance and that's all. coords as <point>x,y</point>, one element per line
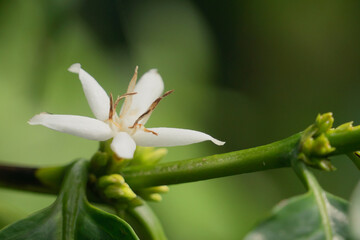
<point>151,108</point>
<point>149,131</point>
<point>111,112</point>
<point>132,83</point>
<point>123,96</point>
<point>130,89</point>
<point>144,128</point>
<point>113,104</point>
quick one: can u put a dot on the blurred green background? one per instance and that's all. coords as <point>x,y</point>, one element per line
<point>247,72</point>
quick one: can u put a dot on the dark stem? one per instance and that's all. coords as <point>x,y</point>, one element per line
<point>22,178</point>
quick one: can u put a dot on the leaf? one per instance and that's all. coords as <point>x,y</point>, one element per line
<point>354,213</point>
<point>299,218</point>
<point>71,216</point>
<point>145,222</point>
<point>316,215</point>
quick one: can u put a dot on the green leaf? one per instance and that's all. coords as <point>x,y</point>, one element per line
<point>300,218</point>
<point>145,222</point>
<point>315,215</point>
<point>71,216</point>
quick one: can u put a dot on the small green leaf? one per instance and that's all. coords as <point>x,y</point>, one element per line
<point>71,216</point>
<point>300,218</point>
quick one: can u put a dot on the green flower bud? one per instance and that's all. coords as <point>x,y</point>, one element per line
<point>136,202</point>
<point>305,159</point>
<point>155,156</point>
<point>105,146</point>
<point>161,189</point>
<point>99,160</point>
<point>324,122</point>
<point>117,164</point>
<point>148,155</point>
<point>158,189</point>
<point>107,180</point>
<point>326,165</point>
<point>117,191</point>
<point>307,145</point>
<point>128,192</point>
<point>155,197</point>
<point>344,127</point>
<point>321,146</point>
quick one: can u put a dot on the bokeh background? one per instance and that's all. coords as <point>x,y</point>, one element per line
<point>247,72</point>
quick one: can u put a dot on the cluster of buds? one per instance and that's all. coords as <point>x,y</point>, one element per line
<point>149,156</point>
<point>315,146</point>
<point>106,178</point>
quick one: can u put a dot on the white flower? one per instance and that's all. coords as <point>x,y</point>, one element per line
<point>127,129</point>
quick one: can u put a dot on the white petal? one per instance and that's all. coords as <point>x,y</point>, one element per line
<point>123,145</point>
<point>96,96</point>
<point>84,127</point>
<point>148,89</point>
<point>168,137</point>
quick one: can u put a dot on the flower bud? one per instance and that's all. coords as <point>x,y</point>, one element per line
<point>136,202</point>
<point>307,145</point>
<point>304,158</point>
<point>158,189</point>
<point>148,155</point>
<point>155,197</point>
<point>324,122</point>
<point>155,156</point>
<point>321,145</point>
<point>107,180</point>
<point>326,165</point>
<point>117,191</point>
<point>99,160</point>
<point>344,127</point>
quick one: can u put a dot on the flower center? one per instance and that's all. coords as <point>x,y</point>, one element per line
<point>120,125</point>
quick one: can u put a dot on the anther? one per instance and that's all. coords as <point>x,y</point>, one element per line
<point>111,111</point>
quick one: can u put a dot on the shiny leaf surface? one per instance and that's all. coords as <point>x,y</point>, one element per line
<point>299,218</point>
<point>315,215</point>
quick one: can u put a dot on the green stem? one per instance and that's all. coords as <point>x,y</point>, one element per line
<point>274,155</point>
<point>312,184</point>
<point>345,141</point>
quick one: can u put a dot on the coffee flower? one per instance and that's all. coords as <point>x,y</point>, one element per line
<point>127,129</point>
